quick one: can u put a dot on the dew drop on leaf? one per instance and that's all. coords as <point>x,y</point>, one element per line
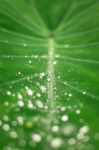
<point>56,143</point>
<point>36,137</point>
<point>64,118</point>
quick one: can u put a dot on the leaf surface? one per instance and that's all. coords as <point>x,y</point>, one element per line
<point>49,74</point>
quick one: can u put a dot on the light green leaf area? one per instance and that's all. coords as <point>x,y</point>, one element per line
<point>49,74</point>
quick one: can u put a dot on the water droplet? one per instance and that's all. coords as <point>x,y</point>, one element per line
<point>70,95</point>
<point>6,127</point>
<point>64,118</point>
<point>39,104</point>
<point>30,61</point>
<point>14,123</point>
<point>57,56</point>
<point>29,92</point>
<point>20,120</point>
<point>48,79</point>
<point>84,93</point>
<point>43,88</point>
<point>24,44</point>
<point>55,128</point>
<point>77,111</point>
<point>46,107</point>
<point>19,96</point>
<point>55,62</point>
<point>69,129</point>
<point>66,46</point>
<point>72,141</point>
<point>36,137</point>
<point>82,133</point>
<point>20,103</point>
<point>30,105</point>
<point>22,142</point>
<point>56,142</point>
<point>42,74</point>
<point>8,93</point>
<point>6,103</point>
<point>63,108</point>
<point>84,129</point>
<point>58,77</point>
<point>38,95</point>
<point>5,118</point>
<point>19,73</point>
<point>65,93</point>
<point>13,134</point>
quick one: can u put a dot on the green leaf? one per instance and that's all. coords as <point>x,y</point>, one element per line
<point>49,74</point>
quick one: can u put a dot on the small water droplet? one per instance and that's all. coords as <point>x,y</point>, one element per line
<point>64,118</point>
<point>19,96</point>
<point>43,88</point>
<point>66,45</point>
<point>20,103</point>
<point>48,79</point>
<point>56,142</point>
<point>77,111</point>
<point>29,92</point>
<point>39,104</point>
<point>8,93</point>
<point>36,137</point>
<point>55,128</point>
<point>6,127</point>
<point>13,134</point>
<point>71,141</point>
<point>38,95</point>
<point>24,44</point>
<point>70,94</point>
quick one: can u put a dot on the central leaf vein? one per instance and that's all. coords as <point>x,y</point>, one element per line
<point>50,72</point>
